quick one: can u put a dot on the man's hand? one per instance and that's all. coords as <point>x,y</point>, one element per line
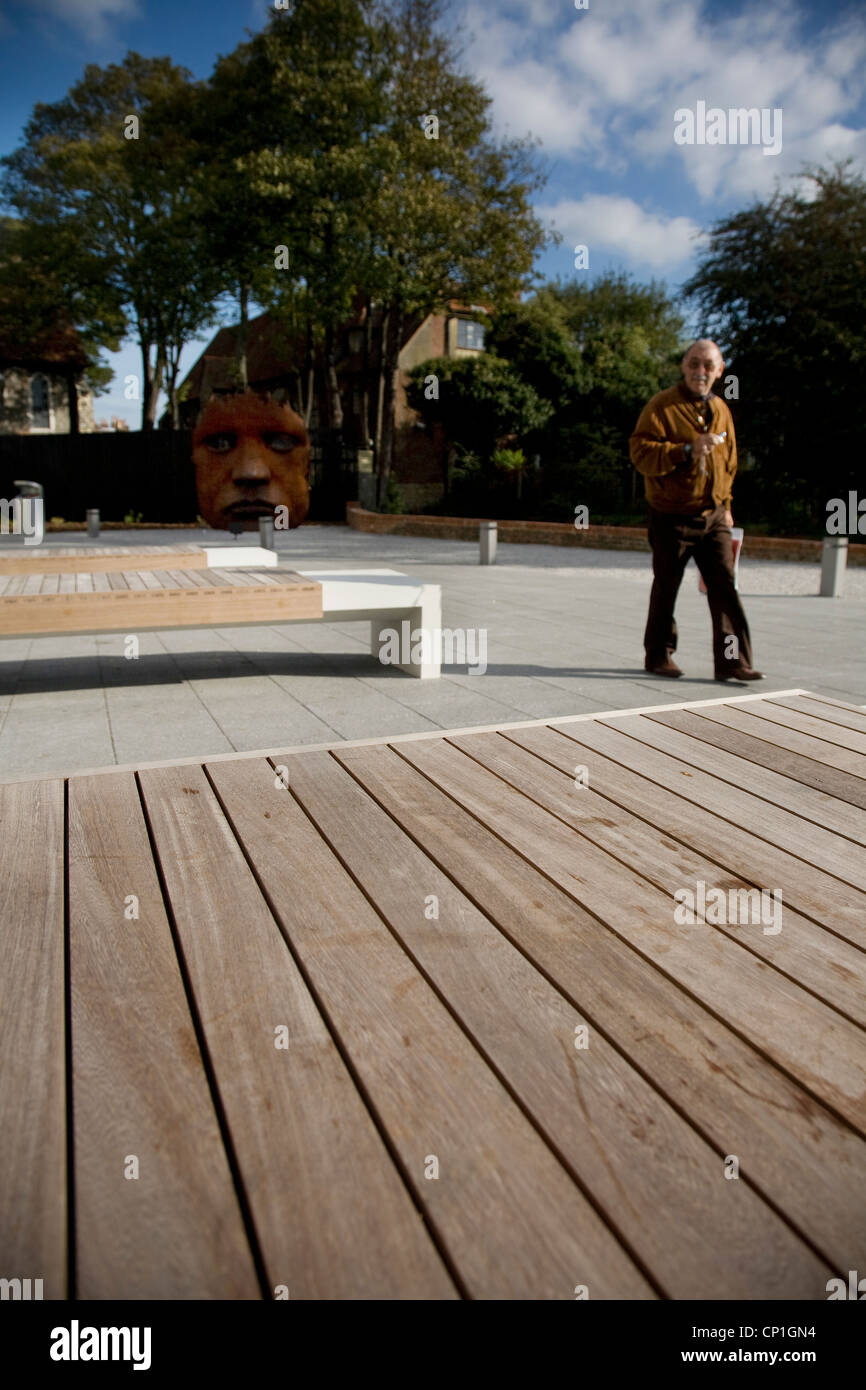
<point>729,520</point>
<point>703,443</point>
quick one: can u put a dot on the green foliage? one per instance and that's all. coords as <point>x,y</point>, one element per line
<point>481,400</point>
<point>393,503</point>
<point>564,376</point>
<point>509,460</point>
<point>133,519</point>
<point>119,212</point>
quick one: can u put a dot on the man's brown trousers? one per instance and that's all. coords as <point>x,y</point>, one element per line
<point>674,540</point>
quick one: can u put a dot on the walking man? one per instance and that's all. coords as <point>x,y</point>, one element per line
<point>684,446</point>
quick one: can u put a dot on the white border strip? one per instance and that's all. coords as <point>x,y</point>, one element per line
<point>398,738</point>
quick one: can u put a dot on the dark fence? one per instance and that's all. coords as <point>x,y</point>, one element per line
<point>147,474</point>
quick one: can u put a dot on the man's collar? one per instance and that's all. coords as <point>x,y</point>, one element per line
<point>690,396</point>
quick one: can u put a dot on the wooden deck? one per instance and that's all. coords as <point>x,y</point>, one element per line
<point>423,1023</point>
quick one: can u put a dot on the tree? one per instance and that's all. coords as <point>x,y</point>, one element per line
<point>37,306</point>
<point>591,355</point>
<point>452,216</point>
<point>108,176</point>
<point>782,287</point>
<point>299,103</point>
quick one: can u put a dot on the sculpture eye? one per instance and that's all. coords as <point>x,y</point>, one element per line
<point>281,443</point>
<point>219,443</point>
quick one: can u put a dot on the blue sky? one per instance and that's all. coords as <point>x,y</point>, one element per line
<point>597,86</point>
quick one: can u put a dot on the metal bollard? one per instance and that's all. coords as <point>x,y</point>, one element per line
<point>266,532</point>
<point>93,522</point>
<point>487,537</point>
<point>834,557</point>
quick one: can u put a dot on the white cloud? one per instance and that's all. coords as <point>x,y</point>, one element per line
<point>612,225</point>
<point>605,84</point>
<point>92,18</point>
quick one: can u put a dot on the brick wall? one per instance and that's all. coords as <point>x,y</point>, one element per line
<point>461,528</point>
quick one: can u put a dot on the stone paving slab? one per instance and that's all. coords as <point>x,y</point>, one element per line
<point>564,636</point>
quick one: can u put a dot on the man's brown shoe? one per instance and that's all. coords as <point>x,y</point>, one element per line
<point>740,673</point>
<point>664,668</point>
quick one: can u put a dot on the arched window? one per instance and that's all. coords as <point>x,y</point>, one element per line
<point>40,403</point>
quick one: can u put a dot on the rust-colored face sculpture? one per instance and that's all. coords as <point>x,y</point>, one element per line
<point>251,456</point>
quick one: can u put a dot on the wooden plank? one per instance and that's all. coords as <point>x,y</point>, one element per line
<point>621,1127</point>
<point>831,969</point>
<point>511,1217</point>
<point>799,767</point>
<point>816,1046</point>
<point>795,1151</point>
<point>791,719</point>
<point>331,1212</point>
<point>69,559</point>
<point>175,1231</point>
<point>33,1197</point>
<point>168,601</point>
<point>831,711</point>
<point>784,735</point>
<point>813,806</point>
<point>833,905</point>
<point>779,826</point>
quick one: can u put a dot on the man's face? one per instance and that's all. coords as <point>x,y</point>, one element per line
<point>251,456</point>
<point>702,365</point>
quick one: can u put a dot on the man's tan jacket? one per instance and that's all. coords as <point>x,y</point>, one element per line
<point>673,481</point>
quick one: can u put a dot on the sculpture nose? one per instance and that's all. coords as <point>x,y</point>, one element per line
<point>251,467</point>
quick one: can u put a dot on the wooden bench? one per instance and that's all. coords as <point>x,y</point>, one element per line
<point>434,979</point>
<point>96,559</point>
<point>129,601</point>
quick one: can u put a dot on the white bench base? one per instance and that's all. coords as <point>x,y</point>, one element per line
<point>387,598</point>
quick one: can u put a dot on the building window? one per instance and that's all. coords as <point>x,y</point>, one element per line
<point>40,404</point>
<point>469,334</point>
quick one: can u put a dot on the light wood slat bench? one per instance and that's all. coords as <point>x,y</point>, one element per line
<point>95,559</point>
<point>146,600</point>
<point>129,601</point>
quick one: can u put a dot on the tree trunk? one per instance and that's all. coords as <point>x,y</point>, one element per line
<point>72,392</point>
<point>152,384</point>
<point>365,378</point>
<point>392,344</point>
<point>332,387</point>
<point>380,392</point>
<point>241,343</point>
<point>309,374</point>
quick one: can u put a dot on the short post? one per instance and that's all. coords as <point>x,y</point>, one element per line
<point>487,537</point>
<point>834,557</point>
<point>266,532</point>
<point>93,522</point>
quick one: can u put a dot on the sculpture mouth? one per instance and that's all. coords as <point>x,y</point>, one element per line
<point>250,509</point>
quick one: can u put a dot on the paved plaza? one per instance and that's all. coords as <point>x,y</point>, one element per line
<point>564,629</point>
